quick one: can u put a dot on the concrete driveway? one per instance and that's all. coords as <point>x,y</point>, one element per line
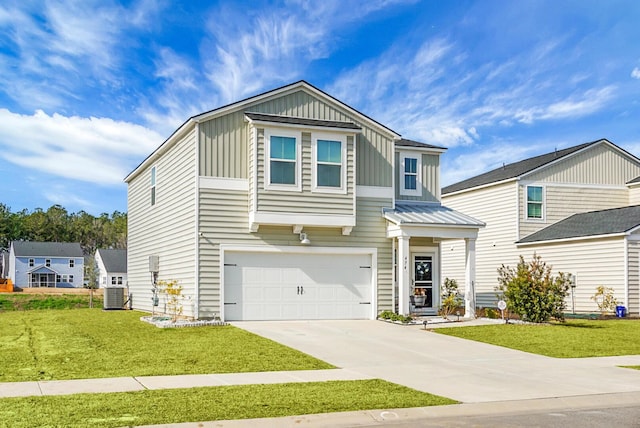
<point>467,371</point>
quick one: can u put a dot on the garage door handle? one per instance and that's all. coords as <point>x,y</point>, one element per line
<point>233,303</point>
<point>300,289</point>
<point>365,303</point>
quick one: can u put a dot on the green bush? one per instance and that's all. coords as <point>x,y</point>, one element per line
<point>451,299</point>
<point>532,292</point>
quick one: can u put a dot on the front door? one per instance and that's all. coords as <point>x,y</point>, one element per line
<point>423,283</point>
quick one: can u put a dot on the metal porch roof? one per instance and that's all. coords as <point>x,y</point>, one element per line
<point>428,214</point>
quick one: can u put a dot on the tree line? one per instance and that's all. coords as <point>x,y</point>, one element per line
<point>56,224</point>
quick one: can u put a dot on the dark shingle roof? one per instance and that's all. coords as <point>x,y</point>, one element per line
<point>410,143</point>
<point>114,260</point>
<point>594,223</point>
<point>301,121</point>
<point>514,170</point>
<point>46,249</point>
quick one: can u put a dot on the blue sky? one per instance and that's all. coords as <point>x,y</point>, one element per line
<point>89,88</point>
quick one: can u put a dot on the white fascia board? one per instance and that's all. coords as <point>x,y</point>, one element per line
<point>289,219</point>
<point>344,131</point>
<point>374,192</point>
<point>166,145</point>
<point>484,186</point>
<point>427,150</point>
<point>572,185</point>
<point>223,183</point>
<point>574,239</point>
<point>423,231</point>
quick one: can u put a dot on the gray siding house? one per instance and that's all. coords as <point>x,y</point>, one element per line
<point>291,205</point>
<point>576,208</point>
<point>46,264</point>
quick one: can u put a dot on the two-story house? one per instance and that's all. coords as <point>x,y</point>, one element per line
<point>291,205</point>
<point>112,267</point>
<point>46,264</point>
<point>573,207</point>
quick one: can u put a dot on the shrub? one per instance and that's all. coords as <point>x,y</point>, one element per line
<point>451,299</point>
<point>604,299</point>
<point>532,292</point>
<point>174,297</point>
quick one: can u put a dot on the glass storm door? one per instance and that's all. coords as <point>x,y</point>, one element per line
<point>423,281</point>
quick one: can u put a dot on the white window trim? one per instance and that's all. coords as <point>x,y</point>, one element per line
<point>526,203</point>
<point>153,186</point>
<point>280,132</point>
<point>343,166</point>
<point>418,190</point>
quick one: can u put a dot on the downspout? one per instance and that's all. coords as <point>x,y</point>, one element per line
<point>626,271</point>
<point>517,209</point>
<point>196,308</point>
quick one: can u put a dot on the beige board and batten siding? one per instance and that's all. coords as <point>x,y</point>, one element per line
<point>224,219</point>
<point>562,201</point>
<point>496,206</point>
<point>307,200</point>
<point>430,177</point>
<point>166,229</point>
<point>594,262</point>
<point>224,140</point>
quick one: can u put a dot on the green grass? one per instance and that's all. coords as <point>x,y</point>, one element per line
<point>206,404</point>
<point>25,302</point>
<point>91,343</point>
<point>573,339</point>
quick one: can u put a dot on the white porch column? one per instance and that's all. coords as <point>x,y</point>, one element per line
<point>404,276</point>
<point>470,278</point>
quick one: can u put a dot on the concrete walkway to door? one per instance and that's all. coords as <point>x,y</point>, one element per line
<point>467,371</point>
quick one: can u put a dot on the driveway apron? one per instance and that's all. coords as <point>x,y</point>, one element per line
<point>467,371</point>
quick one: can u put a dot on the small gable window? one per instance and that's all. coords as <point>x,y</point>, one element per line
<point>47,262</point>
<point>153,185</point>
<point>534,202</point>
<point>410,177</point>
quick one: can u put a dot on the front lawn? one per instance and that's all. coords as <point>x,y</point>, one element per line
<point>91,343</point>
<point>206,404</point>
<point>573,339</point>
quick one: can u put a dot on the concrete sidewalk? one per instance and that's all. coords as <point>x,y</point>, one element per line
<point>125,384</point>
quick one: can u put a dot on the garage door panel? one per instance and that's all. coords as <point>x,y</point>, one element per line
<point>272,286</point>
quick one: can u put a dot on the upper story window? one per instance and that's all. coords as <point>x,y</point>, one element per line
<point>410,174</point>
<point>283,160</point>
<point>535,202</point>
<point>72,263</point>
<point>32,262</point>
<point>153,185</point>
<point>329,166</point>
<point>47,262</point>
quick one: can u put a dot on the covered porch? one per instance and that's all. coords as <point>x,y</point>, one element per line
<point>417,230</point>
<point>42,276</point>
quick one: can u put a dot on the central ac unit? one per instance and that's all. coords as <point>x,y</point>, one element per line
<point>113,298</point>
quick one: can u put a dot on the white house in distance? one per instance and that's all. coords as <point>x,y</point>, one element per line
<point>46,264</point>
<point>292,205</point>
<point>112,267</point>
<point>577,208</point>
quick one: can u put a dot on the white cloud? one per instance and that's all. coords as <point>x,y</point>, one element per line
<point>635,73</point>
<point>95,150</point>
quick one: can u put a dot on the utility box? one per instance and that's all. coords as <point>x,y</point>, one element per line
<point>154,264</point>
<point>113,298</point>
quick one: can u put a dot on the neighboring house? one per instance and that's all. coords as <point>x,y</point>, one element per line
<point>112,267</point>
<point>4,263</point>
<point>46,264</point>
<point>560,206</point>
<point>291,205</point>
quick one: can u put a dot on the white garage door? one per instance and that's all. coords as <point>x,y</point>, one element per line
<point>283,286</point>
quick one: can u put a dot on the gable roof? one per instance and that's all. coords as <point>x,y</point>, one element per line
<point>594,223</point>
<point>518,169</point>
<point>238,105</point>
<point>114,260</point>
<point>46,249</point>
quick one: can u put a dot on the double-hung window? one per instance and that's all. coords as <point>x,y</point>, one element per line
<point>410,174</point>
<point>47,262</point>
<point>329,163</point>
<point>32,262</point>
<point>72,263</point>
<point>283,160</point>
<point>535,202</point>
<point>153,185</point>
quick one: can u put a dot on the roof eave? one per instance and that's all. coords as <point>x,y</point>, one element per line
<point>572,239</point>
